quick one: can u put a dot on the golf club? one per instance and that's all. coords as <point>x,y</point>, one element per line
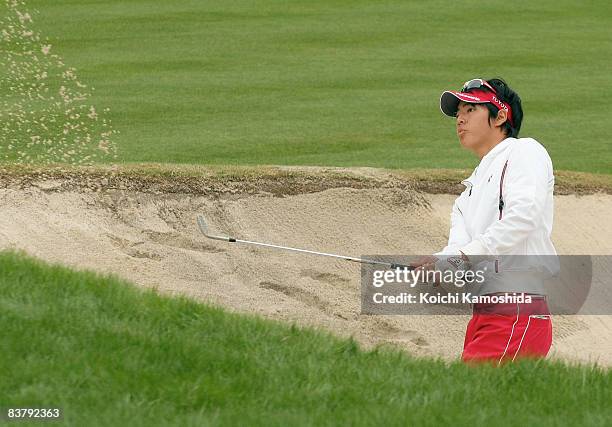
<point>204,229</point>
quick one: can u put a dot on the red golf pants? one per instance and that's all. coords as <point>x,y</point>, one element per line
<point>504,332</point>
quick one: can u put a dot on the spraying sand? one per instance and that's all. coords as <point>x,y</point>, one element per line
<point>146,232</point>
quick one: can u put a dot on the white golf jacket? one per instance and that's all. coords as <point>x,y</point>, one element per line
<point>507,209</point>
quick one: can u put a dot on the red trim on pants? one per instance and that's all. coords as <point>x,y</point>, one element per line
<point>505,332</point>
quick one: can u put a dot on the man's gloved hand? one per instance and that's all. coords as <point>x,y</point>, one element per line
<point>437,265</point>
<point>452,263</point>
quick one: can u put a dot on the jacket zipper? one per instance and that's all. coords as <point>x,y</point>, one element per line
<point>501,204</point>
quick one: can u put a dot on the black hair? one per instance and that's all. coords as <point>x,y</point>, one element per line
<point>510,97</point>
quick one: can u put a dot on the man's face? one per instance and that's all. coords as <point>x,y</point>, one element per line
<point>473,126</point>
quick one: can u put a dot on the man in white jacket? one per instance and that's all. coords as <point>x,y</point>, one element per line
<point>502,221</point>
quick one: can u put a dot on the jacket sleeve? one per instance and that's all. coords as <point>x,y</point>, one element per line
<point>458,235</point>
<point>525,190</point>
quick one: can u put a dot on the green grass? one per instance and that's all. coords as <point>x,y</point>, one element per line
<point>342,83</point>
<point>111,354</point>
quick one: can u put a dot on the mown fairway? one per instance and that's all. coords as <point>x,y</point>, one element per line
<point>334,82</point>
<point>111,354</point>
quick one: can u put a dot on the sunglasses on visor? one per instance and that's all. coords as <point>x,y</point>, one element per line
<point>477,83</point>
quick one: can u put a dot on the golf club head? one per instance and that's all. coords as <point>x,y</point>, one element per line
<point>202,225</point>
<point>205,231</point>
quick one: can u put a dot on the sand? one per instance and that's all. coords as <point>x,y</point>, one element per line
<point>151,239</point>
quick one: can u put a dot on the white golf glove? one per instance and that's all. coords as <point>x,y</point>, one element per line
<point>451,263</point>
<point>458,265</point>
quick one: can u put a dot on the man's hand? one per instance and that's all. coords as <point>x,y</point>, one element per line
<point>442,263</point>
<point>424,263</point>
<point>452,263</point>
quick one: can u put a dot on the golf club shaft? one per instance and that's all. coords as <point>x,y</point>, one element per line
<point>204,230</point>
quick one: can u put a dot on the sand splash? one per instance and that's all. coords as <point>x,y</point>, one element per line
<point>46,115</point>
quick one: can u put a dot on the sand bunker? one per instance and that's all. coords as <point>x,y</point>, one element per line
<point>150,238</point>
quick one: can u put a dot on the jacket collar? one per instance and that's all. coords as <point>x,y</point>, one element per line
<point>495,151</point>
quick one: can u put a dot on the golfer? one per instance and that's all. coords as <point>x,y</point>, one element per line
<point>503,219</point>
